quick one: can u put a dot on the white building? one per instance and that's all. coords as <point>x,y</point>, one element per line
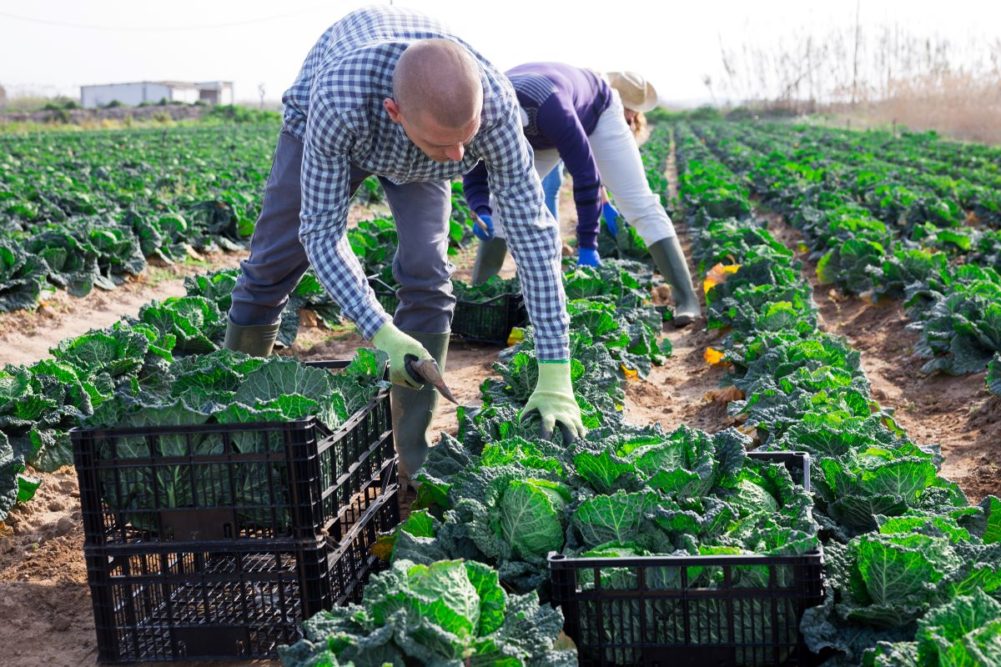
<point>134,94</point>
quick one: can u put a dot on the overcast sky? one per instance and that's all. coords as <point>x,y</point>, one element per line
<point>52,46</point>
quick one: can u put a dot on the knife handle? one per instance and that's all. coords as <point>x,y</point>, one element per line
<point>408,365</point>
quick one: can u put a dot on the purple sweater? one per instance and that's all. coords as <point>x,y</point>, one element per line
<point>563,104</point>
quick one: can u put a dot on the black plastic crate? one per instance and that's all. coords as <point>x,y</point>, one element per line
<point>228,481</point>
<point>489,321</point>
<point>232,599</point>
<point>663,611</point>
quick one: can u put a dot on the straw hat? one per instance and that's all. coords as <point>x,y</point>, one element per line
<point>636,92</point>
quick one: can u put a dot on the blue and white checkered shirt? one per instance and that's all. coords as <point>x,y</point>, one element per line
<point>336,107</point>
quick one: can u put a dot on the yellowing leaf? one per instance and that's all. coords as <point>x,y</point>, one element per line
<point>383,547</point>
<point>516,336</point>
<point>629,373</point>
<point>713,356</point>
<point>718,275</point>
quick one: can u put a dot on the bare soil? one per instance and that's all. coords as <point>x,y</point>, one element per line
<point>957,413</point>
<point>686,389</point>
<point>27,336</point>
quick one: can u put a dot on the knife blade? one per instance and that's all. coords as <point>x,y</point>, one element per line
<point>426,371</point>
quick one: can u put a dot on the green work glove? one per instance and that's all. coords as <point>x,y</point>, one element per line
<point>398,345</point>
<point>553,398</point>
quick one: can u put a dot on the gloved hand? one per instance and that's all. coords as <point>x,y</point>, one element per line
<point>398,345</point>
<point>553,398</point>
<point>611,219</point>
<point>588,257</point>
<point>483,232</point>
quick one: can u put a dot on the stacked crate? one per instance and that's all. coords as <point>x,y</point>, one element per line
<point>217,541</point>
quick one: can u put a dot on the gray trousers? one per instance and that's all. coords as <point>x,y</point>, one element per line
<point>277,259</point>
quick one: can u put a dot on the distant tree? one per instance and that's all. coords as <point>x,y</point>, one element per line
<point>3,97</point>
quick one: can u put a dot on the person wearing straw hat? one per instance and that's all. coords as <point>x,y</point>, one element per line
<point>585,119</point>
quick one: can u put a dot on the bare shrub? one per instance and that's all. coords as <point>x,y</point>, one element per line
<point>872,75</point>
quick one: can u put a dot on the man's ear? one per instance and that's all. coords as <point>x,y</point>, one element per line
<point>389,104</point>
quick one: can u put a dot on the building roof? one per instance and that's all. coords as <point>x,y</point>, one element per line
<point>170,84</point>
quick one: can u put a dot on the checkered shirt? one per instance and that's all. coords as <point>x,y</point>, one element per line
<point>336,107</point>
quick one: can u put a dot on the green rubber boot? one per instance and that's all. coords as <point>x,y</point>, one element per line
<point>489,259</point>
<point>413,410</point>
<point>670,261</point>
<point>257,340</point>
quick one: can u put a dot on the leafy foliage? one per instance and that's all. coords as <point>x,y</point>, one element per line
<point>993,377</point>
<point>449,612</point>
<point>900,541</point>
<point>683,492</point>
<point>87,209</point>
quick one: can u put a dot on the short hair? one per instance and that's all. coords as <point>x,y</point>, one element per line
<point>438,77</point>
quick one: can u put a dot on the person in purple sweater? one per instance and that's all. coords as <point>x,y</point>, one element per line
<point>582,118</point>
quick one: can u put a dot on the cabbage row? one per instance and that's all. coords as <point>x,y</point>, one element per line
<point>161,370</point>
<point>926,234</point>
<point>85,210</point>
<point>40,403</point>
<point>914,571</point>
<point>907,557</point>
<point>501,497</point>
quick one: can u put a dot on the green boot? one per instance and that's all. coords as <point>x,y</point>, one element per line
<point>413,410</point>
<point>670,261</point>
<point>489,259</point>
<point>256,340</point>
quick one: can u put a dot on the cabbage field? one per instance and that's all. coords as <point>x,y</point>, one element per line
<point>787,227</point>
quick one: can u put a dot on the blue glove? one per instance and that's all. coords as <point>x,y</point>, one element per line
<point>484,232</point>
<point>611,219</point>
<point>588,257</point>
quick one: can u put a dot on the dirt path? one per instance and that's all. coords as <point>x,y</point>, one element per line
<point>26,336</point>
<point>685,389</point>
<point>956,413</point>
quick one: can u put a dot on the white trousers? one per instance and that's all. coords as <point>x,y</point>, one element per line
<point>545,160</point>
<point>621,168</point>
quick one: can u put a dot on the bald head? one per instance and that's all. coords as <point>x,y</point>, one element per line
<point>440,79</point>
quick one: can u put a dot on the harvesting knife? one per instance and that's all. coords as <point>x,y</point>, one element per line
<point>426,371</point>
